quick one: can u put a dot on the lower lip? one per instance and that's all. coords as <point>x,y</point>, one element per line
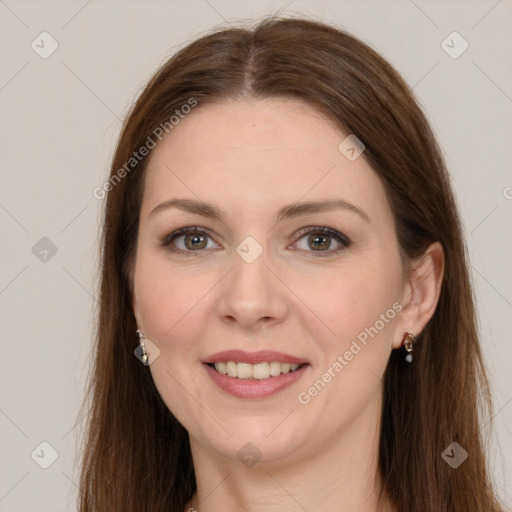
<point>254,388</point>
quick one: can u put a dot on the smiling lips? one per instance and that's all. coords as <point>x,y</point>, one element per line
<point>253,375</point>
<point>258,371</point>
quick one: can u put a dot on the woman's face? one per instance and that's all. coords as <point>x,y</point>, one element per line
<point>259,278</point>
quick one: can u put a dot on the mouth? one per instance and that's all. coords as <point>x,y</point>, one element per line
<point>254,375</point>
<point>258,371</point>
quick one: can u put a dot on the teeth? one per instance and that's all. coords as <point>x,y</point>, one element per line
<point>260,371</point>
<point>231,368</point>
<point>244,370</point>
<point>275,368</point>
<point>254,371</point>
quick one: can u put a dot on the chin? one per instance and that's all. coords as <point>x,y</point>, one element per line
<point>267,439</point>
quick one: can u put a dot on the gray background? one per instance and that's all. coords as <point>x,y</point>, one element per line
<point>60,120</point>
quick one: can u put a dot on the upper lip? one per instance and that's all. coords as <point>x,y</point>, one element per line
<point>262,356</point>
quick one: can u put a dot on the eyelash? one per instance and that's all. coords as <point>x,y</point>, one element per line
<point>344,241</point>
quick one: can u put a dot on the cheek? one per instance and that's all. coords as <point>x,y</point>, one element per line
<point>352,302</point>
<point>168,298</point>
<point>361,308</point>
<point>169,303</point>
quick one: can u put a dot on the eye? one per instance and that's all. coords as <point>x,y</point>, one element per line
<point>319,239</point>
<point>189,239</point>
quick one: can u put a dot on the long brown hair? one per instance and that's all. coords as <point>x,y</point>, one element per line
<point>136,456</point>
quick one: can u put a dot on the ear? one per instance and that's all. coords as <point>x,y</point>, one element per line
<point>420,296</point>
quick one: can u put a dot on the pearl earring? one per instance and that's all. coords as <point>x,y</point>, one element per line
<point>409,341</point>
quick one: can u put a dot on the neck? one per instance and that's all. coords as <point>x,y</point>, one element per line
<point>340,474</point>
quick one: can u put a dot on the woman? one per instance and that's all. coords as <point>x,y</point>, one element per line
<point>283,255</point>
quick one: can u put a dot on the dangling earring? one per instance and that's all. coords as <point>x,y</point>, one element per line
<point>409,341</point>
<point>144,356</point>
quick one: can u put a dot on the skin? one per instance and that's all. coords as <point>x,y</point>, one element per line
<point>250,158</point>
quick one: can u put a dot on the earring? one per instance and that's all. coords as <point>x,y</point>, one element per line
<point>144,356</point>
<point>409,341</point>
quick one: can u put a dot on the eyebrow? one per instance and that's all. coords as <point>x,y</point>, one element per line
<point>287,212</point>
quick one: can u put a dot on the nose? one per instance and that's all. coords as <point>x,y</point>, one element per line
<point>253,296</point>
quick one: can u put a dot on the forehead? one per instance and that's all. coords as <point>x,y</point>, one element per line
<point>252,153</point>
